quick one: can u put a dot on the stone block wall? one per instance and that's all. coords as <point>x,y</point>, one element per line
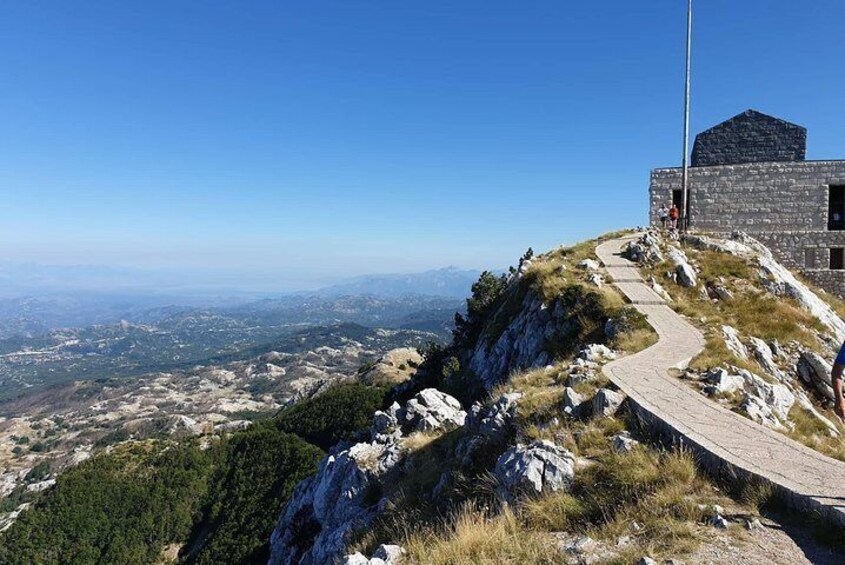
<point>784,205</point>
<point>750,137</point>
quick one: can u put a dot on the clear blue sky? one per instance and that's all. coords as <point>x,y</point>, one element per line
<point>337,138</point>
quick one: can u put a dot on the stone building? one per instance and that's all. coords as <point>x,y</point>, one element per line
<point>749,173</point>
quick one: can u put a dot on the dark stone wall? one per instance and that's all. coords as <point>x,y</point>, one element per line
<point>750,137</point>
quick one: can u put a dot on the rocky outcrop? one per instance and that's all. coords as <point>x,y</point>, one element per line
<point>538,467</point>
<point>644,250</point>
<point>572,402</point>
<point>815,371</point>
<point>764,356</point>
<point>522,343</point>
<point>395,366</point>
<point>346,493</point>
<point>606,402</point>
<point>777,397</point>
<point>487,426</point>
<point>431,410</point>
<point>774,277</point>
<point>733,343</point>
<point>684,273</point>
<point>326,508</point>
<point>723,382</point>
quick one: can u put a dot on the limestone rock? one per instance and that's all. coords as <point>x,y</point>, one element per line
<point>684,272</point>
<point>356,558</point>
<point>325,508</point>
<point>724,382</point>
<point>733,343</point>
<point>777,397</point>
<point>430,410</point>
<point>522,344</point>
<point>606,402</point>
<point>623,443</point>
<point>385,422</point>
<point>486,426</point>
<point>764,356</point>
<point>815,371</point>
<point>589,265</point>
<point>390,554</point>
<point>538,467</point>
<point>758,411</point>
<point>572,402</point>
<point>596,352</point>
<point>596,279</point>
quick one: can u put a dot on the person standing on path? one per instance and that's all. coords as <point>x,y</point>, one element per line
<point>836,383</point>
<point>663,214</point>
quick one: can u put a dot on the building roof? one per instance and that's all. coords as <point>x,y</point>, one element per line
<point>750,137</point>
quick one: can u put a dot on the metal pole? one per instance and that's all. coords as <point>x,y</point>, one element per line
<point>685,179</point>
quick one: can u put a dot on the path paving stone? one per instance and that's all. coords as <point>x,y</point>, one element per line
<point>723,441</point>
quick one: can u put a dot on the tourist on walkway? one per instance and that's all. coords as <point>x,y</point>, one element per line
<point>674,214</point>
<point>836,383</point>
<point>663,214</point>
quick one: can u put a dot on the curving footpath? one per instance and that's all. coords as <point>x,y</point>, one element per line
<point>727,444</point>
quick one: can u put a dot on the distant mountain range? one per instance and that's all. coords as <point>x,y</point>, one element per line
<point>450,281</point>
<point>375,300</point>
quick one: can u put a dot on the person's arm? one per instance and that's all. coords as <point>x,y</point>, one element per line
<point>836,382</point>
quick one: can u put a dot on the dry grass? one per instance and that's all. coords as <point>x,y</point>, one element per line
<point>636,340</point>
<point>814,434</point>
<point>660,491</point>
<point>420,440</point>
<point>475,536</point>
<point>752,311</point>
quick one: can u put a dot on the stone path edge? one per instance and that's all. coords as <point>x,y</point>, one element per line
<point>646,374</point>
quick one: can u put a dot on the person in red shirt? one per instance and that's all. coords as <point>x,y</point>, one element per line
<point>674,214</point>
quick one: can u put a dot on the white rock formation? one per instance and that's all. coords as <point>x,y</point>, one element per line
<point>623,442</point>
<point>487,426</point>
<point>606,402</point>
<point>683,270</point>
<point>588,264</point>
<point>430,410</point>
<point>777,397</point>
<point>815,371</point>
<point>759,412</point>
<point>724,382</point>
<point>346,492</point>
<point>383,555</point>
<point>538,467</point>
<point>596,353</point>
<point>572,402</point>
<point>763,354</point>
<point>733,343</point>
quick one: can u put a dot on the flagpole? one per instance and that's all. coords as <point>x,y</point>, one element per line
<point>685,178</point>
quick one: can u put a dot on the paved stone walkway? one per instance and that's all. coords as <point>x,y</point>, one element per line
<point>725,442</point>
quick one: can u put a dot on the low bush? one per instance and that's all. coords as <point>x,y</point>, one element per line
<point>334,415</point>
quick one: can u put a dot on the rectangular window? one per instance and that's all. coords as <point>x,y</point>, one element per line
<point>837,258</point>
<point>809,258</point>
<point>836,208</point>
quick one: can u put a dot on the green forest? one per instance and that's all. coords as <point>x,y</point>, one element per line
<point>217,505</point>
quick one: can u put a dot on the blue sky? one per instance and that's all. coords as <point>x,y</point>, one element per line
<point>321,139</point>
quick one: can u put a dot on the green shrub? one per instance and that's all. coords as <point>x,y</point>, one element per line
<point>336,414</point>
<point>249,492</point>
<point>120,507</point>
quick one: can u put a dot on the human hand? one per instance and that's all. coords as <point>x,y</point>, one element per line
<point>839,409</point>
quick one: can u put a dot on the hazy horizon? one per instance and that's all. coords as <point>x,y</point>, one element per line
<point>19,280</point>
